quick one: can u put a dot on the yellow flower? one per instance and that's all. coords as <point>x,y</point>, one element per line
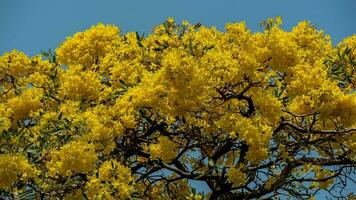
<point>16,64</point>
<point>14,168</point>
<point>79,85</point>
<point>165,149</point>
<point>236,176</point>
<point>74,157</point>
<point>23,105</point>
<point>115,177</point>
<point>87,48</point>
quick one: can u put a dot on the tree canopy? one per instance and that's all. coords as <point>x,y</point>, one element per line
<point>252,115</point>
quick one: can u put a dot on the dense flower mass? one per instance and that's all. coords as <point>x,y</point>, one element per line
<point>124,116</point>
<point>13,168</point>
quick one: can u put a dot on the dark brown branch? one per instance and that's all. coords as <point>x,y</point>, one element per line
<point>295,127</point>
<point>222,150</point>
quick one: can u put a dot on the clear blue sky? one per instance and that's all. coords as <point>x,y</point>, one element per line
<point>34,25</point>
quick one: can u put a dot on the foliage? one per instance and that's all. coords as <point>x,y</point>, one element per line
<point>124,116</point>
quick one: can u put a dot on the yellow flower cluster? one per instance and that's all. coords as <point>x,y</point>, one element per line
<point>11,168</point>
<point>74,157</point>
<point>255,133</point>
<point>237,176</point>
<point>315,92</point>
<point>87,48</point>
<point>112,181</point>
<point>87,84</point>
<point>5,122</point>
<point>283,50</point>
<point>165,149</point>
<point>23,105</point>
<point>15,64</point>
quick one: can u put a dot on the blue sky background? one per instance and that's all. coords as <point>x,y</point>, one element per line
<point>35,25</point>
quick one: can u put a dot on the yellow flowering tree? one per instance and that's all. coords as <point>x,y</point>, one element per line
<point>126,116</point>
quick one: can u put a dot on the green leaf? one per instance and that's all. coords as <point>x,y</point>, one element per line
<point>54,59</point>
<point>45,54</point>
<point>123,84</point>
